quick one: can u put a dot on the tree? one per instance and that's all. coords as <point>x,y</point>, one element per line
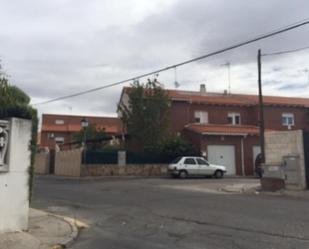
<point>94,136</point>
<point>147,115</point>
<point>13,101</point>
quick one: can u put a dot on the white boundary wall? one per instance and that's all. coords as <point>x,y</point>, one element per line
<point>286,143</point>
<point>14,196</point>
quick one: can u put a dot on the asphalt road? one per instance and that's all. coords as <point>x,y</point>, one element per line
<point>145,214</point>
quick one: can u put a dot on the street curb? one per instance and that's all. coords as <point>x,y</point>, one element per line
<point>76,227</point>
<point>252,190</point>
<point>284,193</point>
<point>74,234</point>
<point>235,191</point>
<point>239,190</point>
<point>96,178</point>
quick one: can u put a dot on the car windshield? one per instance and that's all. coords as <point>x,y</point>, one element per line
<point>176,160</point>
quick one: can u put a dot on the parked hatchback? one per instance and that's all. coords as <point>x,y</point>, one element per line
<point>194,166</point>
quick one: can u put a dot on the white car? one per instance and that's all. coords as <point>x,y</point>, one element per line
<point>184,166</point>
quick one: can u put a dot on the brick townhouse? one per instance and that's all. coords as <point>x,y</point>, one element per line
<point>60,129</point>
<point>224,127</point>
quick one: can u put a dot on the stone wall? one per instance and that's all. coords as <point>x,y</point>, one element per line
<point>128,170</point>
<point>68,163</point>
<point>14,179</point>
<point>285,143</point>
<point>41,165</point>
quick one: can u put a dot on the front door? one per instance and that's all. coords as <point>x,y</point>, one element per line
<point>203,167</point>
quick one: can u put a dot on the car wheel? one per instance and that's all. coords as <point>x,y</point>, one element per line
<point>183,174</point>
<point>218,174</point>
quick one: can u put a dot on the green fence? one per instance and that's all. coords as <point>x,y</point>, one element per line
<point>147,158</point>
<point>111,157</point>
<point>101,157</point>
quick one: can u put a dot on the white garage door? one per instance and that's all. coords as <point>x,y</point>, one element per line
<point>223,155</point>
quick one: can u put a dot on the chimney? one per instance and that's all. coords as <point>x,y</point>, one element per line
<point>203,89</point>
<point>225,92</point>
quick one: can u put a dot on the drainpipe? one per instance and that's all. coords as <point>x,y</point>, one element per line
<point>242,156</point>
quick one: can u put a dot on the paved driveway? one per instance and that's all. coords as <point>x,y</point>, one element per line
<point>155,213</point>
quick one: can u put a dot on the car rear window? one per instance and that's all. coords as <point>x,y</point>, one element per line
<point>190,161</point>
<point>201,161</point>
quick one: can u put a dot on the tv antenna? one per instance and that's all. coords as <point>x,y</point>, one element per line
<point>176,84</point>
<point>228,66</point>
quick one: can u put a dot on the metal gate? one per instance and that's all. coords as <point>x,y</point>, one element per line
<point>52,155</point>
<point>306,151</point>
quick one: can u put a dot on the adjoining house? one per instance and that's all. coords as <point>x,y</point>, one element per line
<point>60,129</point>
<point>224,127</point>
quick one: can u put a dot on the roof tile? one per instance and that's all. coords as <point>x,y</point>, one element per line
<point>224,129</point>
<point>236,99</point>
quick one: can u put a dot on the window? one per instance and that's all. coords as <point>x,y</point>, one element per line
<point>201,161</point>
<point>201,117</point>
<point>233,118</point>
<point>59,121</point>
<point>50,135</point>
<point>189,161</point>
<point>59,140</point>
<point>288,119</point>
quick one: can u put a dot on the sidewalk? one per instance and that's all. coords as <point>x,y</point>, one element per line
<point>231,185</point>
<point>256,189</point>
<point>45,231</point>
<point>227,185</point>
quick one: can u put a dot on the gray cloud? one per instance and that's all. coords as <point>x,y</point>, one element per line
<point>53,48</point>
<point>300,86</point>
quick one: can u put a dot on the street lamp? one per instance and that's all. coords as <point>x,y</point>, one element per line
<point>84,123</point>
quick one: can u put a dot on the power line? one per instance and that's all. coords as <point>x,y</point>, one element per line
<point>286,51</point>
<point>258,38</point>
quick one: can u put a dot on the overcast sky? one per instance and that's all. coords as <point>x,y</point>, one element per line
<point>51,48</point>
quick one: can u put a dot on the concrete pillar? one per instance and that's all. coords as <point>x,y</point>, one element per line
<point>121,158</point>
<point>122,161</point>
<point>14,177</point>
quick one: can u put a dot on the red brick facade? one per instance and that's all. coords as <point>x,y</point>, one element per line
<point>182,113</point>
<point>243,134</point>
<point>63,127</point>
<point>185,104</point>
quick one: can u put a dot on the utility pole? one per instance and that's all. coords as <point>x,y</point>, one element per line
<point>261,107</point>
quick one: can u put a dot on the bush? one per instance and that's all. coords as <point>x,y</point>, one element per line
<point>177,146</point>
